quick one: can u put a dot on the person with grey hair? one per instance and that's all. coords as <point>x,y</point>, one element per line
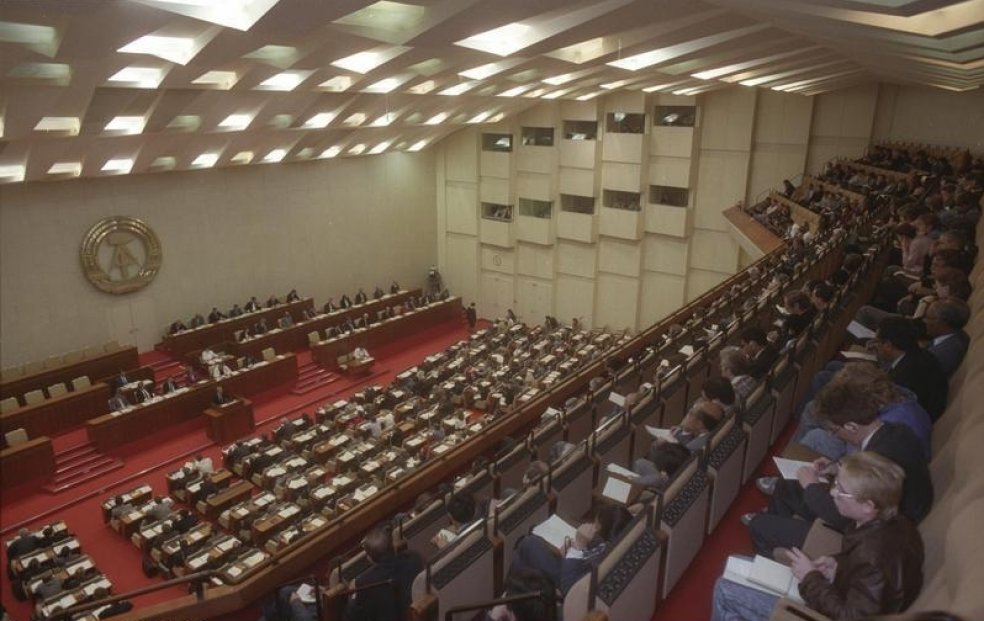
<point>945,320</point>
<point>735,367</point>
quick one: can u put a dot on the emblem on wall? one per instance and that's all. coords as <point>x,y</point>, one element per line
<point>120,255</point>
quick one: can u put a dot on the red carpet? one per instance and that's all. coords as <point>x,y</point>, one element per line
<point>149,459</point>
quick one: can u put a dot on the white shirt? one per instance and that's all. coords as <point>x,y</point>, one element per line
<point>942,338</point>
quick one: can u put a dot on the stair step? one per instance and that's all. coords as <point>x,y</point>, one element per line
<point>75,451</point>
<point>76,463</point>
<point>62,483</point>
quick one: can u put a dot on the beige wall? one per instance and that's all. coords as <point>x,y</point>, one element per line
<point>930,115</point>
<point>322,227</point>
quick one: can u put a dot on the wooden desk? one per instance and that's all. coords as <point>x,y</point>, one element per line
<point>229,497</point>
<point>94,368</point>
<point>326,353</point>
<point>53,416</point>
<point>188,341</point>
<point>230,421</point>
<point>295,337</point>
<point>111,430</point>
<point>33,460</point>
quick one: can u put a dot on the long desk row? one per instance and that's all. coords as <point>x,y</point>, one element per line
<point>100,366</point>
<point>326,353</point>
<point>295,337</point>
<point>209,334</point>
<point>111,430</point>
<point>33,460</point>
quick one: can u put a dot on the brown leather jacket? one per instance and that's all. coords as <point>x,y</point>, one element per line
<point>879,570</point>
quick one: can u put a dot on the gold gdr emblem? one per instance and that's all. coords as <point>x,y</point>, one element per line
<point>120,255</point>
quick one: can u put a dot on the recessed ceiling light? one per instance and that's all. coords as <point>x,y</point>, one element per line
<point>330,152</point>
<point>219,79</point>
<point>588,96</point>
<point>126,124</point>
<point>354,120</point>
<point>555,94</point>
<point>458,89</point>
<point>320,120</point>
<point>185,122</point>
<point>417,146</point>
<point>236,122</point>
<point>284,81</point>
<point>281,121</point>
<point>516,90</point>
<point>613,85</point>
<point>364,62</point>
<point>175,49</point>
<point>243,157</point>
<point>64,124</point>
<point>483,71</point>
<point>139,77</point>
<point>384,120</point>
<point>304,153</point>
<point>501,41</point>
<point>71,169</point>
<point>337,84</point>
<point>480,117</point>
<point>164,162</point>
<point>275,156</point>
<point>535,93</point>
<point>386,85</point>
<point>437,119</point>
<point>423,88</point>
<point>498,117</point>
<point>357,149</point>
<point>379,148</point>
<point>557,80</point>
<point>56,74</point>
<point>238,14</point>
<point>205,160</point>
<point>12,173</point>
<point>282,56</point>
<point>41,39</point>
<point>122,165</point>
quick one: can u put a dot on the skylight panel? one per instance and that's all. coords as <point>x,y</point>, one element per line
<point>558,80</point>
<point>501,41</point>
<point>588,96</point>
<point>61,124</point>
<point>486,71</point>
<point>330,152</point>
<point>236,122</point>
<point>121,165</point>
<point>238,14</point>
<point>480,117</point>
<point>555,94</point>
<point>282,56</point>
<point>379,148</point>
<point>57,74</point>
<point>139,77</point>
<point>516,90</point>
<point>458,89</point>
<point>164,162</point>
<point>437,119</point>
<point>385,85</point>
<point>284,81</point>
<point>69,169</point>
<point>205,160</point>
<point>357,149</point>
<point>243,157</point>
<point>423,88</point>
<point>384,120</point>
<point>364,62</point>
<point>12,173</point>
<point>354,120</point>
<point>417,146</point>
<point>275,156</point>
<point>337,84</point>
<point>126,124</point>
<point>219,79</point>
<point>174,49</point>
<point>320,120</point>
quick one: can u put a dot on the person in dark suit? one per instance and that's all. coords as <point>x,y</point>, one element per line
<point>292,296</point>
<point>253,305</point>
<point>219,398</point>
<point>945,320</point>
<point>395,287</point>
<point>235,311</point>
<point>384,603</point>
<point>910,366</point>
<point>378,293</point>
<point>471,315</point>
<point>25,542</point>
<point>118,402</point>
<point>360,296</point>
<point>761,354</point>
<point>344,301</point>
<point>848,413</point>
<point>216,315</point>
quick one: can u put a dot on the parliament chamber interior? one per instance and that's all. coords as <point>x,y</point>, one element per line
<point>355,311</point>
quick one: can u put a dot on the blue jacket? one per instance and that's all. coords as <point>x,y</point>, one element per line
<point>909,413</point>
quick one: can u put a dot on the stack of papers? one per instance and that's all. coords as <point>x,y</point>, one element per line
<point>555,531</point>
<point>789,467</point>
<point>661,434</point>
<point>763,575</point>
<point>617,490</point>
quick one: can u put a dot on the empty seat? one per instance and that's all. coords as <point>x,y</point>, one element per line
<point>111,346</point>
<point>647,412</point>
<point>545,437</point>
<point>53,362</point>
<point>56,390</point>
<point>673,392</point>
<point>416,532</point>
<point>612,443</point>
<point>461,574</point>
<point>34,396</point>
<point>269,354</point>
<point>579,422</point>
<point>13,372</point>
<point>683,518</point>
<point>81,383</point>
<point>510,467</point>
<point>622,586</point>
<point>72,357</point>
<point>725,453</point>
<point>572,480</point>
<point>757,422</point>
<point>15,436</point>
<point>314,337</point>
<point>512,521</point>
<point>8,405</point>
<point>480,484</point>
<point>91,351</point>
<point>35,366</point>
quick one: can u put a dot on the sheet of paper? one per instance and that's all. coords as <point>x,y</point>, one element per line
<point>789,467</point>
<point>617,490</point>
<point>860,331</point>
<point>617,470</point>
<point>772,575</point>
<point>616,398</point>
<point>858,355</point>
<point>661,434</point>
<point>555,530</point>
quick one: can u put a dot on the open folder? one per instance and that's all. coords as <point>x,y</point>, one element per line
<point>763,575</point>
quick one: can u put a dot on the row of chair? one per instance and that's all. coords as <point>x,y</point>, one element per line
<point>34,397</point>
<point>57,361</point>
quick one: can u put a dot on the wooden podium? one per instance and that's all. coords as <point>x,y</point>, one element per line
<point>28,462</point>
<point>230,421</point>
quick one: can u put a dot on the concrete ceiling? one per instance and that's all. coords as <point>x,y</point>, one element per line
<point>95,88</point>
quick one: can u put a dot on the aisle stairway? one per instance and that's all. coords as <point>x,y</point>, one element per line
<point>77,465</point>
<point>311,376</point>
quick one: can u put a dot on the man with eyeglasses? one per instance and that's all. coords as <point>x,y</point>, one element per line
<point>879,567</point>
<point>847,413</point>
